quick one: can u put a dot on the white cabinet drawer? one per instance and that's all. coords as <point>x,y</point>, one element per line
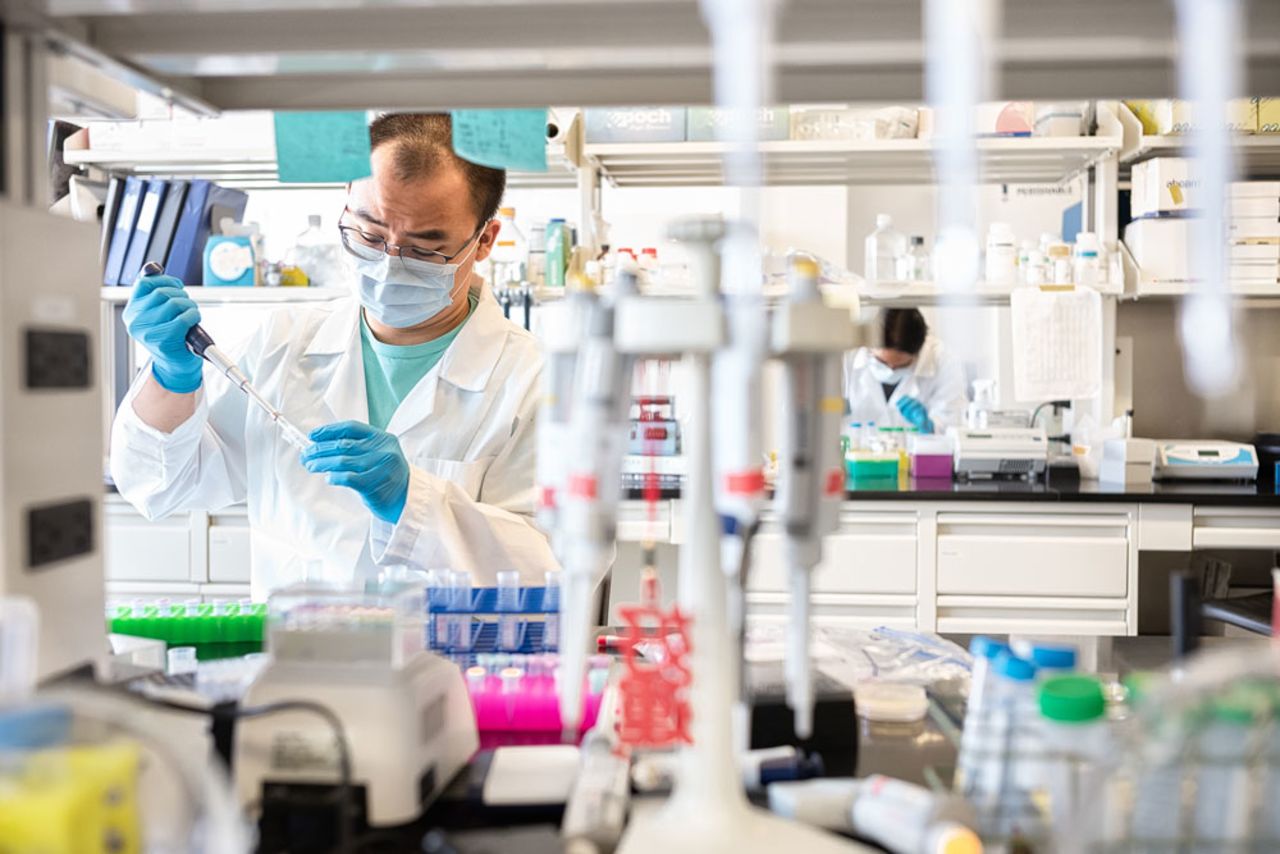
<point>867,554</point>
<point>837,610</point>
<point>229,551</point>
<point>140,550</point>
<point>1236,527</point>
<point>1033,555</point>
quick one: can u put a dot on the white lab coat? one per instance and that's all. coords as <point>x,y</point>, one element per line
<point>467,429</point>
<point>935,380</point>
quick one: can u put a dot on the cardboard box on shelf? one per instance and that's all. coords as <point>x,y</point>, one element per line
<point>844,123</point>
<point>1246,227</point>
<point>1268,110</point>
<point>635,124</point>
<point>1162,185</point>
<point>1254,206</point>
<point>708,124</point>
<point>1170,117</point>
<point>1240,252</point>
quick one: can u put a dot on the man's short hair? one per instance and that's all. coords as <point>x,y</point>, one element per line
<point>905,330</point>
<point>424,142</point>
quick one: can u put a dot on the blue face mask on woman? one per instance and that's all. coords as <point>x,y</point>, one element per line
<point>402,292</point>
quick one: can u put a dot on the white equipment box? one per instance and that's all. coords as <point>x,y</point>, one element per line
<point>1000,451</point>
<point>1205,460</point>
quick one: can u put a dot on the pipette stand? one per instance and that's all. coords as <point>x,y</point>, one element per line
<point>708,810</point>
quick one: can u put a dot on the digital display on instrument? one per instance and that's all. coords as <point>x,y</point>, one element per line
<point>1207,453</point>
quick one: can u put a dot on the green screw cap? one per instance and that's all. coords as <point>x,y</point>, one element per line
<point>1072,699</point>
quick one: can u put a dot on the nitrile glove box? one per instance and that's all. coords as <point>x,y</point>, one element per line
<point>711,124</point>
<point>635,124</point>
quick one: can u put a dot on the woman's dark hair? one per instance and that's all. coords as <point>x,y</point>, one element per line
<point>905,330</point>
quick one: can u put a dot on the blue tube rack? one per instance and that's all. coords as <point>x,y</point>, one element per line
<point>483,620</point>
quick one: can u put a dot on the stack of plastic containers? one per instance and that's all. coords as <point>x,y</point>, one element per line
<point>218,630</point>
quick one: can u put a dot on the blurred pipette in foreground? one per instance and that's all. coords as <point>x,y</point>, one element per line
<point>202,345</point>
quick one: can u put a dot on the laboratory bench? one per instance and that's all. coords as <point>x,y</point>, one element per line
<point>996,557</point>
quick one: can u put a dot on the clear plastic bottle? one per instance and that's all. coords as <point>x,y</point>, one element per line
<point>977,717</point>
<point>1060,272</point>
<point>557,257</point>
<point>883,248</point>
<point>913,266</point>
<point>1077,742</point>
<point>510,256</point>
<point>536,269</point>
<point>1002,255</point>
<point>317,254</point>
<point>1087,259</point>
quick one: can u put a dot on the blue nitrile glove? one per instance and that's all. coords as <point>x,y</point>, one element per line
<point>158,316</point>
<point>915,414</point>
<point>365,459</point>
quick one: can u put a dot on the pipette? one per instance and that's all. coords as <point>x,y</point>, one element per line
<point>201,343</point>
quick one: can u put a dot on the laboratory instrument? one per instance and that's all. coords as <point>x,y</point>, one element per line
<point>596,810</point>
<point>51,449</point>
<point>597,429</point>
<point>406,711</point>
<point>902,817</point>
<point>1205,459</point>
<point>1000,452</point>
<point>202,345</point>
<point>1128,461</point>
<point>810,338</point>
<point>760,768</point>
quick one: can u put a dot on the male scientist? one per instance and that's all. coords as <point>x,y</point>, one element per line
<point>908,381</point>
<point>417,395</point>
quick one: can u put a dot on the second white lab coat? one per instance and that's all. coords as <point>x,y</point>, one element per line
<point>467,429</point>
<point>935,380</point>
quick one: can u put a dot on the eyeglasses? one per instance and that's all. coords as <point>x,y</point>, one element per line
<point>368,246</point>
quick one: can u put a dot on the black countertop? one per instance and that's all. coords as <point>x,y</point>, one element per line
<point>1205,493</point>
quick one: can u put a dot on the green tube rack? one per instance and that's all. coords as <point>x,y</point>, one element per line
<point>216,631</point>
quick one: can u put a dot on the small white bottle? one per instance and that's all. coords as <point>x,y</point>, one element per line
<point>1087,261</point>
<point>883,248</point>
<point>1002,255</point>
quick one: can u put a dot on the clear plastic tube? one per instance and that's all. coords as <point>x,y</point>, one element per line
<point>509,603</point>
<point>551,604</point>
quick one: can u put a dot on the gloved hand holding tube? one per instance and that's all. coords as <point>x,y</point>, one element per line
<point>365,459</point>
<point>915,414</point>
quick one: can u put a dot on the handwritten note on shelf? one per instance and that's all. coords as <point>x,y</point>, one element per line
<point>322,148</point>
<point>1057,344</point>
<point>502,139</point>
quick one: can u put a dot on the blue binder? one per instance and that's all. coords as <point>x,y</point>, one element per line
<point>206,203</point>
<point>152,200</point>
<point>130,202</point>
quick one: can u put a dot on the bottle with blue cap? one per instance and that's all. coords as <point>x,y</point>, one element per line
<point>977,718</point>
<point>1007,773</point>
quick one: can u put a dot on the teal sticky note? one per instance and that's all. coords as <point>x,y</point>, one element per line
<point>313,148</point>
<point>502,139</point>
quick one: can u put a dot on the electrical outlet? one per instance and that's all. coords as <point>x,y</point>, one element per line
<point>57,359</point>
<point>56,532</point>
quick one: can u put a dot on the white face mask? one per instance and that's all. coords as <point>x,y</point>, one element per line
<point>886,375</point>
<point>403,292</point>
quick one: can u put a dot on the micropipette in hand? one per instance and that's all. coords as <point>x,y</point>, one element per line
<point>201,343</point>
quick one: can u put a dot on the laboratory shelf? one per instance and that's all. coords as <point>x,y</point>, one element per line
<point>253,167</point>
<point>1257,155</point>
<point>238,296</point>
<point>1020,160</point>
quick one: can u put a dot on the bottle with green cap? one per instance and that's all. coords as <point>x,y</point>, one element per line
<point>1156,815</point>
<point>1077,740</point>
<point>1227,729</point>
